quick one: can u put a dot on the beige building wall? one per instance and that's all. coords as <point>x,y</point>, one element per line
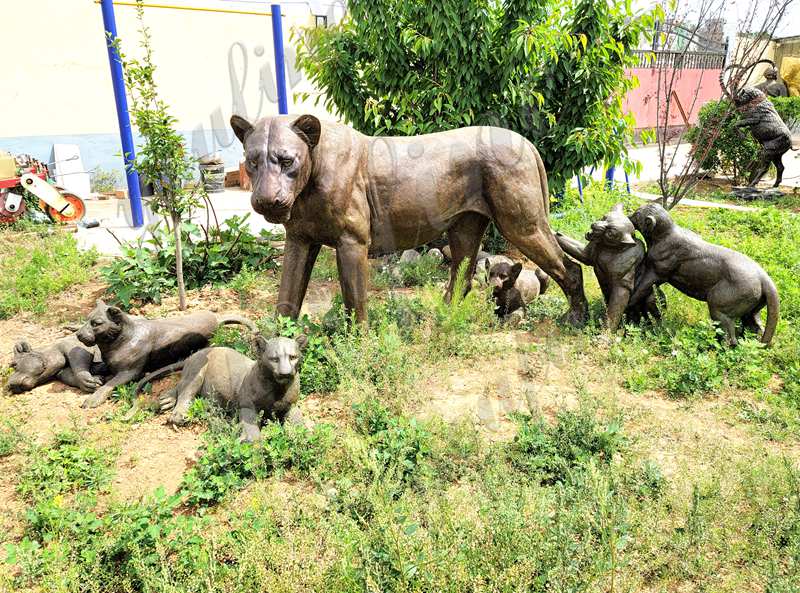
<point>57,78</point>
<point>761,49</point>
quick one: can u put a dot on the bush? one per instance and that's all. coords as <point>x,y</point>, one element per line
<point>419,272</point>
<point>551,452</point>
<point>146,270</point>
<point>734,151</point>
<point>544,69</point>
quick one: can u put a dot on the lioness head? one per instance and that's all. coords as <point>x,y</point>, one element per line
<point>103,325</point>
<point>279,357</point>
<point>278,154</point>
<point>613,230</point>
<point>29,368</point>
<point>651,220</point>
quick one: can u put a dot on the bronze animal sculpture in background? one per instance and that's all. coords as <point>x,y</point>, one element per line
<point>369,196</point>
<point>618,260</point>
<point>773,85</point>
<point>513,287</point>
<point>734,286</point>
<point>131,346</point>
<point>66,359</point>
<point>758,114</point>
<point>265,388</point>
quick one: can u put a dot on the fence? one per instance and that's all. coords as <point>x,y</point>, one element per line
<point>688,60</point>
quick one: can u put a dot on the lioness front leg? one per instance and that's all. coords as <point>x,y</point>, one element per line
<point>351,261</point>
<point>298,262</point>
<point>99,396</point>
<point>248,420</point>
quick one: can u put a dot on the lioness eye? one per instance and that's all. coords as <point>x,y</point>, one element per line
<point>273,358</point>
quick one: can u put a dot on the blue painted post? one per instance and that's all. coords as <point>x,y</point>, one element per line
<point>128,148</point>
<point>280,62</point>
<point>610,178</point>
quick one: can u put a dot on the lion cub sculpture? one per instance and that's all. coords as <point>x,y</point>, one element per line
<point>263,388</point>
<point>734,287</point>
<point>617,258</point>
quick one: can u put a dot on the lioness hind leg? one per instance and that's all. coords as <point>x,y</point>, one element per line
<point>465,239</point>
<point>727,324</point>
<point>540,246</point>
<point>752,322</point>
<point>189,386</point>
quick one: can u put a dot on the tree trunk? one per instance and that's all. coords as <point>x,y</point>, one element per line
<point>176,228</point>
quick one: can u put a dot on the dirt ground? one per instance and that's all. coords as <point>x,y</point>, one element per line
<point>542,371</point>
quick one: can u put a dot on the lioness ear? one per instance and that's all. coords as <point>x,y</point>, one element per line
<point>241,127</point>
<point>650,223</point>
<point>308,128</point>
<point>22,347</point>
<point>515,270</point>
<point>486,265</point>
<point>302,341</point>
<point>100,303</point>
<point>114,314</point>
<point>260,343</point>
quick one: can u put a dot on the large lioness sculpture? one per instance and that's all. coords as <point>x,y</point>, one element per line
<point>368,196</point>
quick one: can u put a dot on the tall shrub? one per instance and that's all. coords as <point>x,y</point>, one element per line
<point>551,70</point>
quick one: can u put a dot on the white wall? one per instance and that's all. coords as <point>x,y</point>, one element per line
<point>57,80</point>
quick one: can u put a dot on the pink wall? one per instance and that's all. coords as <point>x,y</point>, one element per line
<point>641,101</point>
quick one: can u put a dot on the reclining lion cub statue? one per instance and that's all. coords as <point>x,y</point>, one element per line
<point>369,196</point>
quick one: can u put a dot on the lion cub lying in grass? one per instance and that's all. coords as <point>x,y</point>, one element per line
<point>266,387</point>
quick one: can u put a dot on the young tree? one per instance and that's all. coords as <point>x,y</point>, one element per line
<point>163,159</point>
<point>551,70</point>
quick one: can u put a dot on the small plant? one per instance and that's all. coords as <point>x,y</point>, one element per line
<point>419,272</point>
<point>551,452</point>
<point>162,160</point>
<point>397,445</point>
<point>146,269</point>
<point>10,437</point>
<point>227,464</point>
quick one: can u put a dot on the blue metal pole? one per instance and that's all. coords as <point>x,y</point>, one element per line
<point>128,148</point>
<point>280,61</point>
<point>610,178</point>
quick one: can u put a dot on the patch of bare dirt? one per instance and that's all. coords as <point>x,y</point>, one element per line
<point>525,377</point>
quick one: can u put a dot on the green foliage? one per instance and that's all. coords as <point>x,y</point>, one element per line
<point>552,452</point>
<point>227,464</point>
<point>397,445</point>
<point>105,181</point>
<point>146,269</point>
<point>66,465</point>
<point>32,272</point>
<point>10,437</point>
<point>729,150</point>
<point>553,71</point>
<point>419,272</point>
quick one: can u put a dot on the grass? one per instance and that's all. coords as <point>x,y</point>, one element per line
<point>596,494</point>
<point>35,266</point>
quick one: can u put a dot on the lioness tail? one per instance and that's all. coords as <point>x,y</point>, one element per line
<point>773,308</point>
<point>232,319</point>
<point>158,373</point>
